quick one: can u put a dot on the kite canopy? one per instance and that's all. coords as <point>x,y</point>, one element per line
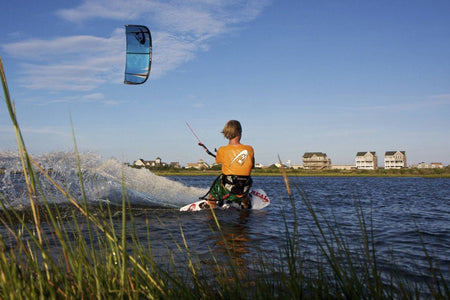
<point>139,54</point>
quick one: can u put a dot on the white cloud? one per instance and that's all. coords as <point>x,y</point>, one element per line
<point>195,16</point>
<point>54,48</point>
<point>75,63</point>
<point>98,98</point>
<point>94,97</point>
<point>84,62</point>
<point>108,9</point>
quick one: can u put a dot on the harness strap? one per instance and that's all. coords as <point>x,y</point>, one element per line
<point>237,184</point>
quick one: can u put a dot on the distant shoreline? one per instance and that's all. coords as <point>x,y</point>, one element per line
<point>408,172</point>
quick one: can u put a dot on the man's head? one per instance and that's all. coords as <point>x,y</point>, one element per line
<point>232,129</point>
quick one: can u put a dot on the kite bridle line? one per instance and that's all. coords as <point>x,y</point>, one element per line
<point>200,142</point>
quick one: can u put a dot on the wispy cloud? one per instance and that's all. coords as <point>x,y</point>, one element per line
<point>108,9</point>
<point>76,63</point>
<point>197,17</point>
<point>84,62</point>
<point>56,48</point>
<point>98,98</point>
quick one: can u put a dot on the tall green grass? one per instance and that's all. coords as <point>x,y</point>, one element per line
<point>52,256</point>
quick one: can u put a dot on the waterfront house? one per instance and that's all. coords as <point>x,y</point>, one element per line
<point>420,165</point>
<point>366,160</point>
<point>149,163</point>
<point>175,165</point>
<point>316,161</point>
<point>395,160</point>
<point>139,163</point>
<point>436,165</point>
<point>200,165</point>
<point>433,165</point>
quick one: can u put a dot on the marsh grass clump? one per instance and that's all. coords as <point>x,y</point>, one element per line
<point>86,251</point>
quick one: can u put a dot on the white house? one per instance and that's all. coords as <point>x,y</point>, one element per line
<point>395,159</point>
<point>139,163</point>
<point>433,165</point>
<point>366,160</point>
<point>149,163</point>
<point>436,165</point>
<point>420,165</point>
<point>200,165</point>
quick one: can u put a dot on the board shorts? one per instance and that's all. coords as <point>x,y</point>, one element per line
<point>230,188</point>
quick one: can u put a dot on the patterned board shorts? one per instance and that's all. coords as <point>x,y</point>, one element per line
<point>230,188</point>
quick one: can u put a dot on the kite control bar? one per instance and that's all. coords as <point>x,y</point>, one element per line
<point>206,149</point>
<point>200,142</point>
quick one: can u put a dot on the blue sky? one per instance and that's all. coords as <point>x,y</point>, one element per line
<point>331,76</point>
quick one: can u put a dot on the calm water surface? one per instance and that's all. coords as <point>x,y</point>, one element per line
<point>402,212</point>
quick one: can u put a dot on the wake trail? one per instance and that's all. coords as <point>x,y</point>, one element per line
<point>102,180</point>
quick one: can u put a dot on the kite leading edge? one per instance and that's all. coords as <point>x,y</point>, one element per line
<point>139,54</point>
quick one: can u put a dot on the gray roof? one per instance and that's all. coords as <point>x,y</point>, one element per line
<point>311,154</point>
<point>364,153</point>
<point>393,152</point>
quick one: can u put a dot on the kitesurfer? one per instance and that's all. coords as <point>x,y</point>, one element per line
<point>237,162</point>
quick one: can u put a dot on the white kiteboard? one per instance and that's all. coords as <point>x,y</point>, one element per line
<point>258,199</point>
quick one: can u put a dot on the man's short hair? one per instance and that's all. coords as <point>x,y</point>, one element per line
<point>232,129</point>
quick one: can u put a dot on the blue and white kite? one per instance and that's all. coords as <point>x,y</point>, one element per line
<point>139,54</point>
